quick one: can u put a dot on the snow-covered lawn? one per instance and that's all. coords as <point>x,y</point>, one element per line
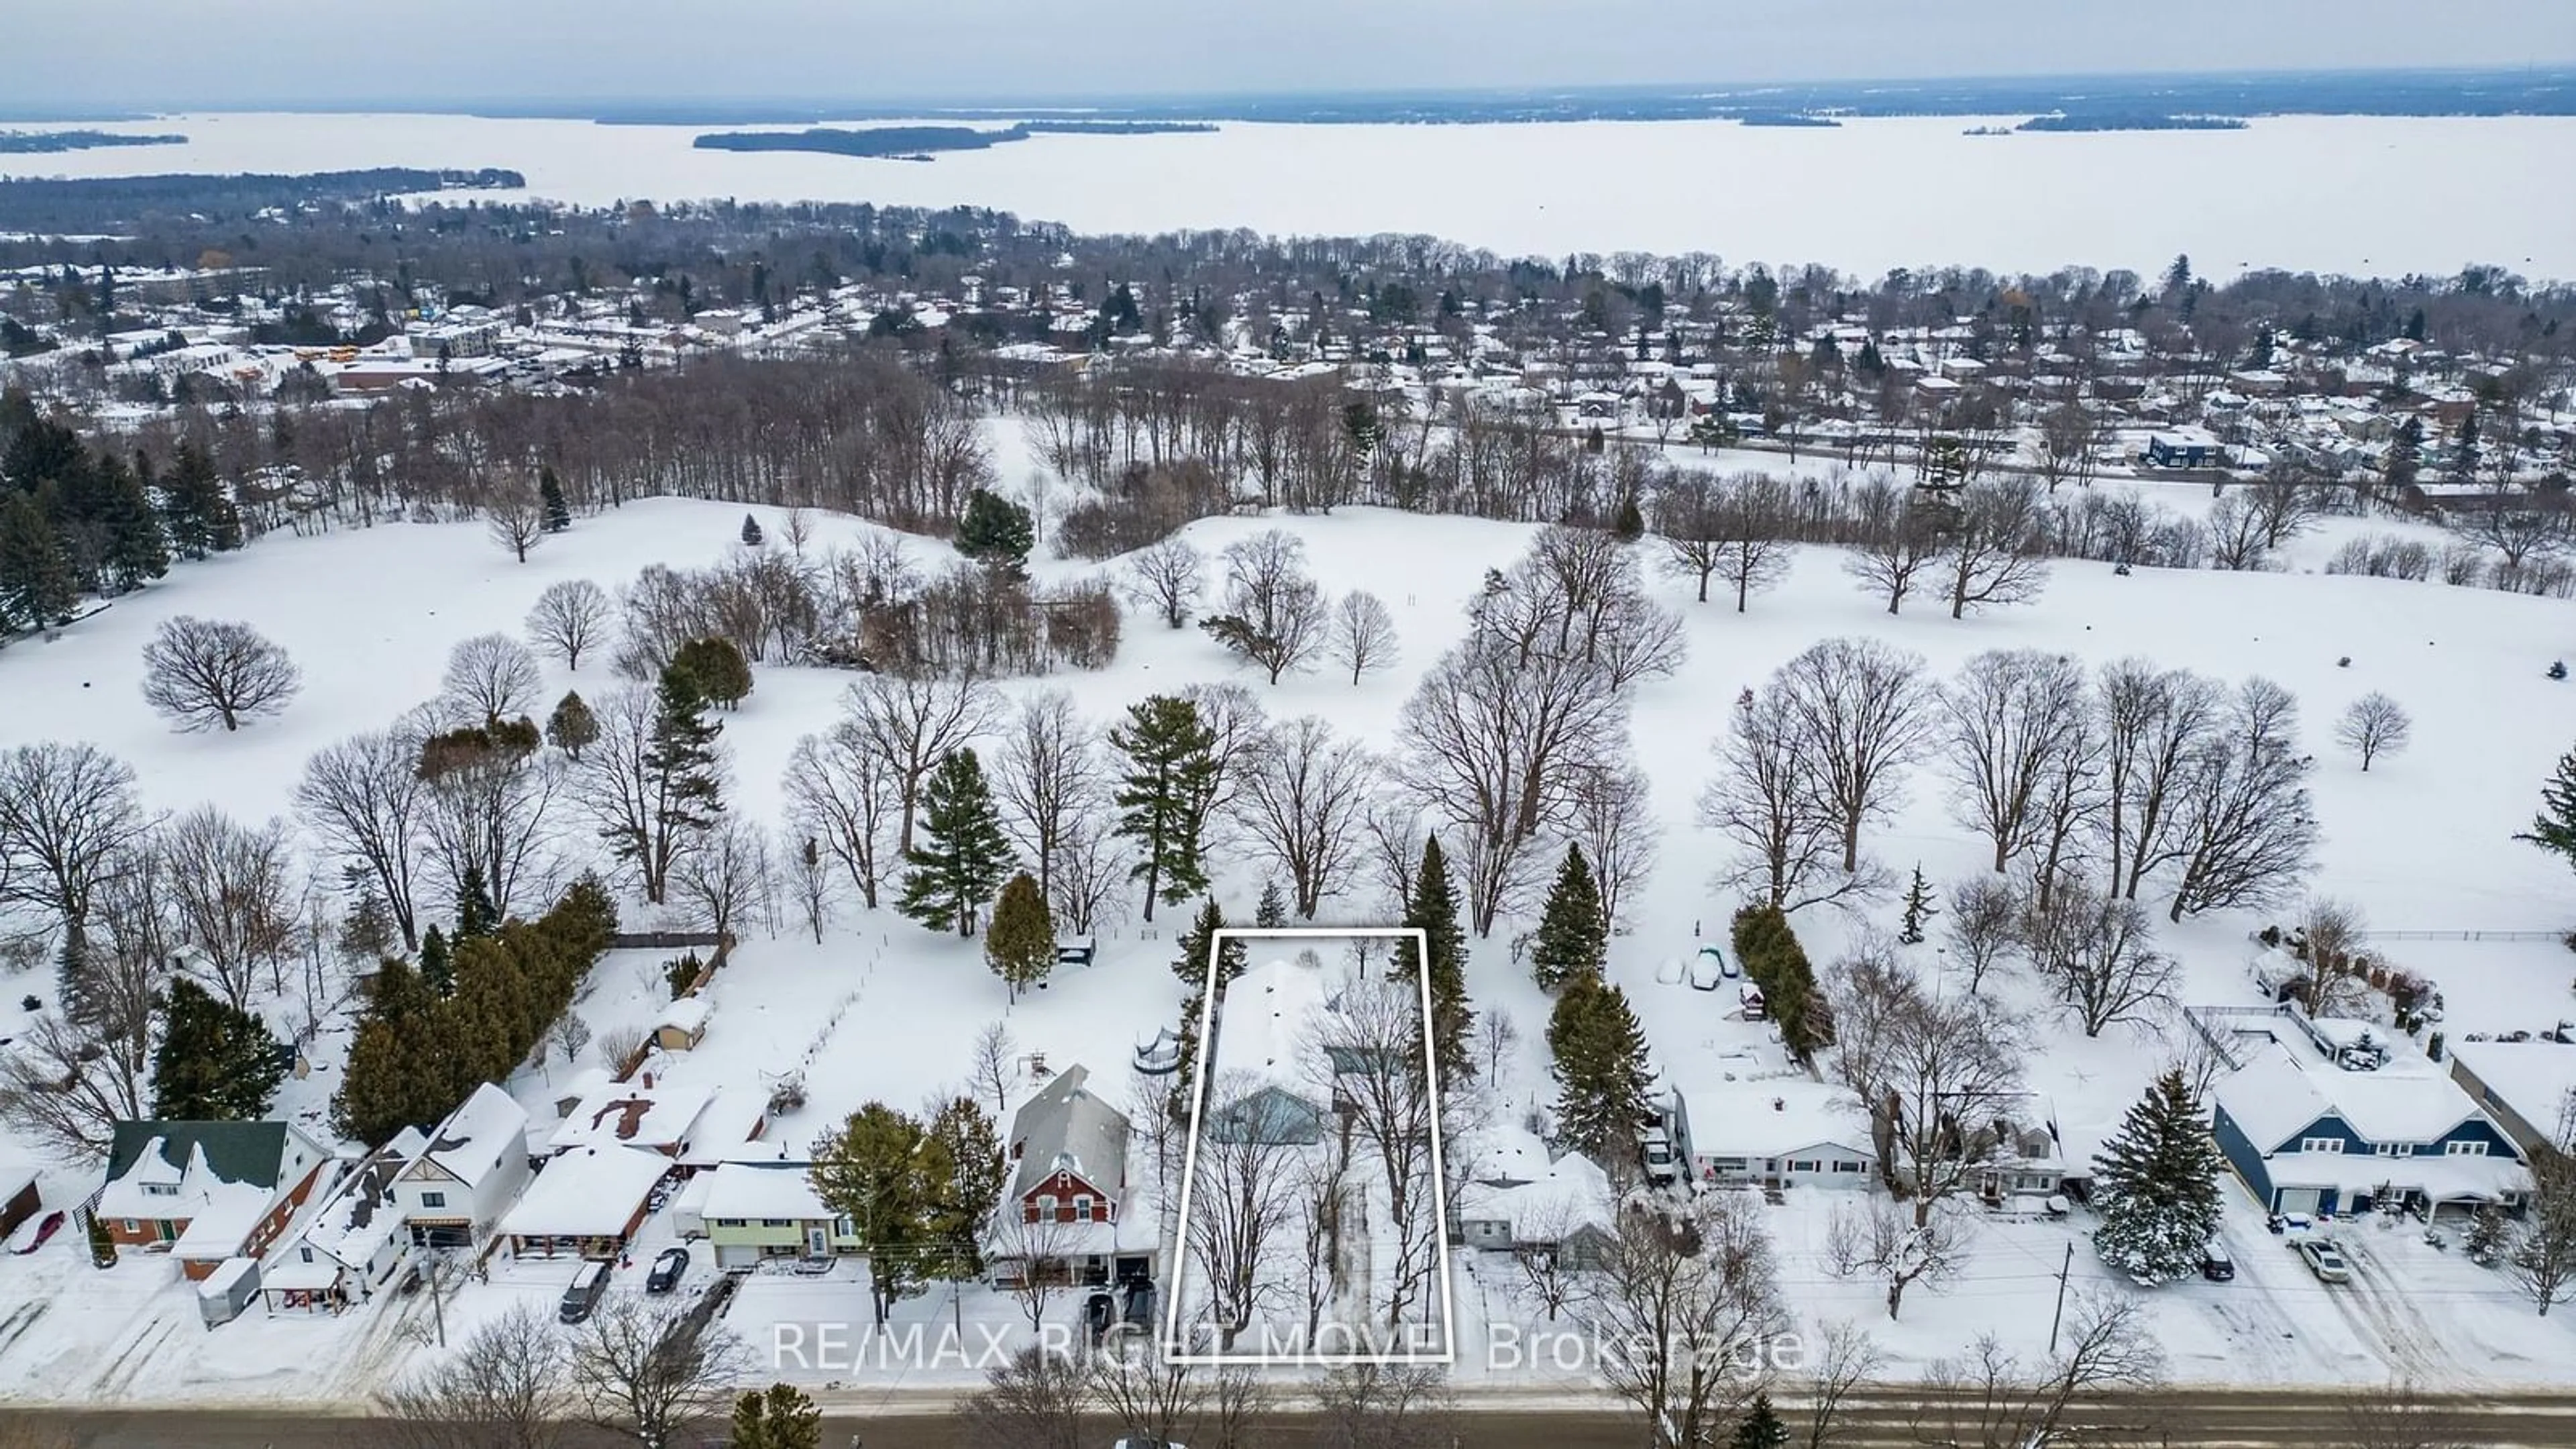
<point>882,1009</point>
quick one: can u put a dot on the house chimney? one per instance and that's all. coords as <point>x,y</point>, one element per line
<point>648,1081</point>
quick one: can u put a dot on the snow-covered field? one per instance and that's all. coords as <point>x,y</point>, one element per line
<point>2375,196</point>
<point>884,1009</point>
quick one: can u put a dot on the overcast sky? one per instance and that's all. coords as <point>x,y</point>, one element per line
<point>170,53</point>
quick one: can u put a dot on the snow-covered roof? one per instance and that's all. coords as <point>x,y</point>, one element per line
<point>1769,1117</point>
<point>476,1136</point>
<point>1268,1015</point>
<point>356,1221</point>
<point>587,1192</point>
<point>689,1013</point>
<point>1505,1154</point>
<point>1572,1193</point>
<point>220,1177</point>
<point>749,1190</point>
<point>2280,1092</point>
<point>1067,1127</point>
<point>658,1114</point>
<point>2440,1178</point>
<point>220,1282</point>
<point>2532,1079</point>
<point>734,1116</point>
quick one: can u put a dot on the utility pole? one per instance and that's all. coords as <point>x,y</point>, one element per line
<point>2054,1319</point>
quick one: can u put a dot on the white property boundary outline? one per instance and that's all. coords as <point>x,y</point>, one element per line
<point>1172,1344</point>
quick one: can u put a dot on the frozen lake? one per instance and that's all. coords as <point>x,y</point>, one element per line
<point>2361,195</point>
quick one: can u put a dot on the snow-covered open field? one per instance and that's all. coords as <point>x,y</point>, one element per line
<point>2367,196</point>
<point>885,1009</point>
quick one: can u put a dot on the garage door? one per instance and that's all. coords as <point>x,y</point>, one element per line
<point>738,1255</point>
<point>2299,1199</point>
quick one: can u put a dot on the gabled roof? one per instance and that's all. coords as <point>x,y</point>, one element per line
<point>2280,1094</point>
<point>1572,1194</point>
<point>475,1137</point>
<point>251,1152</point>
<point>762,1190</point>
<point>1771,1116</point>
<point>1068,1128</point>
<point>587,1192</point>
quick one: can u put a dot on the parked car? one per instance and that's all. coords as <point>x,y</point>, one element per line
<point>1708,969</point>
<point>52,1224</point>
<point>668,1269</point>
<point>1136,1305</point>
<point>2324,1260</point>
<point>2215,1265</point>
<point>1657,1151</point>
<point>1099,1311</point>
<point>1749,996</point>
<point>588,1287</point>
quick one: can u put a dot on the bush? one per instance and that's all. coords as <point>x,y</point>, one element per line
<point>680,971</point>
<point>102,1248</point>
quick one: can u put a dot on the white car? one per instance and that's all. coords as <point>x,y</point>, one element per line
<point>1709,968</point>
<point>2324,1260</point>
<point>1671,972</point>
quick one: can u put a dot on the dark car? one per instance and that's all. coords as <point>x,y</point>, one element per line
<point>2215,1265</point>
<point>1136,1309</point>
<point>1099,1311</point>
<point>668,1270</point>
<point>588,1286</point>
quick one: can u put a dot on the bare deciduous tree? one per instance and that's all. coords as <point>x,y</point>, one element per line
<point>2099,956</point>
<point>67,817</point>
<point>1275,614</point>
<point>1242,1202</point>
<point>1614,820</point>
<point>989,1065</point>
<point>490,677</point>
<point>488,809</point>
<point>1858,710</point>
<point>633,797</point>
<point>1303,798</point>
<point>2153,723</point>
<point>570,620</point>
<point>1156,1401</point>
<point>2244,830</point>
<point>842,794</point>
<point>1394,829</point>
<point>235,893</point>
<point>1683,1299</point>
<point>1385,1406</point>
<point>1920,1062</point>
<point>2374,725</point>
<point>1168,578</point>
<point>507,1386</point>
<point>1878,1239</point>
<point>1992,554</point>
<point>1987,1396</point>
<point>1368,1059</point>
<point>363,797</point>
<point>208,672</point>
<point>915,723</point>
<point>1847,1359</point>
<point>518,521</point>
<point>645,1367</point>
<point>1090,875</point>
<point>726,881</point>
<point>569,1035</point>
<point>2008,724</point>
<point>1982,926</point>
<point>1763,801</point>
<point>1047,775</point>
<point>2540,1257</point>
<point>1038,1400</point>
<point>1890,558</point>
<point>1363,634</point>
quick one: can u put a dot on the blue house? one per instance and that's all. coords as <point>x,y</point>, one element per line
<point>2310,1136</point>
<point>2185,448</point>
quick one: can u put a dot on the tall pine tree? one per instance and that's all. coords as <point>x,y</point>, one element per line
<point>1604,1094</point>
<point>37,584</point>
<point>216,1062</point>
<point>199,509</point>
<point>1760,1428</point>
<point>682,784</point>
<point>2155,1185</point>
<point>550,497</point>
<point>437,970</point>
<point>2554,828</point>
<point>1573,936</point>
<point>475,913</point>
<point>1191,965</point>
<point>964,854</point>
<point>1171,766</point>
<point>1020,947</point>
<point>1433,910</point>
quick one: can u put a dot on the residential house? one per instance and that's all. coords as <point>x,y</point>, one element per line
<point>1565,1211</point>
<point>2309,1133</point>
<point>757,1210</point>
<point>588,1202</point>
<point>683,1025</point>
<point>2184,448</point>
<point>652,1113</point>
<point>2528,1087</point>
<point>1260,1089</point>
<point>2022,1163</point>
<point>18,1198</point>
<point>1070,1208</point>
<point>207,1191</point>
<point>353,1243</point>
<point>1772,1132</point>
<point>469,1171</point>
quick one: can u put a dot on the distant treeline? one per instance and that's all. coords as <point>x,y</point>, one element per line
<point>2128,121</point>
<point>1792,119</point>
<point>26,143</point>
<point>922,140</point>
<point>102,203</point>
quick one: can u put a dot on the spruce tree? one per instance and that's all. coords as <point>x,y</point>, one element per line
<point>475,913</point>
<point>37,585</point>
<point>996,533</point>
<point>2554,828</point>
<point>1171,766</point>
<point>1918,909</point>
<point>1573,937</point>
<point>683,779</point>
<point>1433,910</point>
<point>1604,1094</point>
<point>550,497</point>
<point>199,509</point>
<point>437,972</point>
<point>964,854</point>
<point>716,669</point>
<point>572,728</point>
<point>1272,912</point>
<point>136,551</point>
<point>1191,965</point>
<point>2155,1185</point>
<point>216,1063</point>
<point>1760,1428</point>
<point>751,531</point>
<point>779,1417</point>
<point>1020,947</point>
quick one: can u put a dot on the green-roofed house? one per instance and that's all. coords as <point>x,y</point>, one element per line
<point>206,1191</point>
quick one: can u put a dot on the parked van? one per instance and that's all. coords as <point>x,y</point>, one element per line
<point>588,1287</point>
<point>1657,1150</point>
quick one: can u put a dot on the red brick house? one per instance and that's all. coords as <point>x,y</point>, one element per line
<point>207,1191</point>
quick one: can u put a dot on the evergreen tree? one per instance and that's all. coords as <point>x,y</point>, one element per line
<point>683,776</point>
<point>550,497</point>
<point>778,1417</point>
<point>437,972</point>
<point>964,1139</point>
<point>197,506</point>
<point>1760,1428</point>
<point>1918,909</point>
<point>1020,947</point>
<point>572,728</point>
<point>1768,950</point>
<point>136,551</point>
<point>475,913</point>
<point>1433,910</point>
<point>37,585</point>
<point>1171,767</point>
<point>2405,455</point>
<point>1603,1089</point>
<point>751,531</point>
<point>716,670</point>
<point>1191,965</point>
<point>2155,1185</point>
<point>2464,450</point>
<point>2554,828</point>
<point>1628,521</point>
<point>216,1063</point>
<point>1272,912</point>
<point>996,533</point>
<point>1573,937</point>
<point>964,854</point>
<point>883,1172</point>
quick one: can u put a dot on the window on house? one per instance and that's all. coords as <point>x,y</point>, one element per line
<point>305,1254</point>
<point>1845,1165</point>
<point>433,1199</point>
<point>776,1223</point>
<point>1805,1167</point>
<point>160,1189</point>
<point>2321,1144</point>
<point>1082,1209</point>
<point>1046,1205</point>
<point>132,1226</point>
<point>2464,1149</point>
